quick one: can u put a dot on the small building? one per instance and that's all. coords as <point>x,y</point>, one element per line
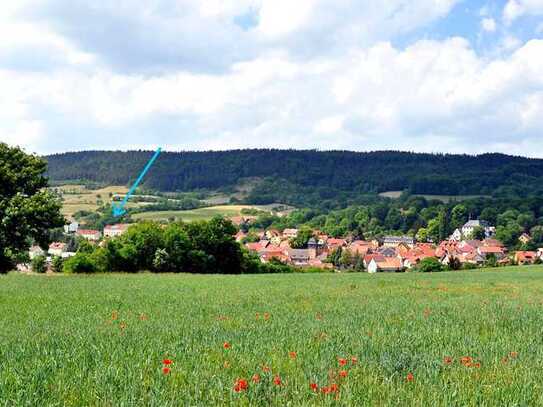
<point>525,238</point>
<point>386,264</point>
<point>471,225</point>
<point>525,257</point>
<point>35,251</point>
<point>71,228</point>
<point>115,230</point>
<point>497,251</point>
<point>56,248</point>
<point>89,234</point>
<point>393,241</point>
<point>299,257</point>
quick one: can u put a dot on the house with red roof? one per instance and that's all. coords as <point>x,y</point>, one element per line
<point>525,257</point>
<point>385,264</point>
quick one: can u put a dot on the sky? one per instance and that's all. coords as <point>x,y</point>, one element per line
<point>457,76</point>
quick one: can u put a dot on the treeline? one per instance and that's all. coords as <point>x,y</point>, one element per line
<point>427,220</point>
<point>197,247</point>
<point>328,178</point>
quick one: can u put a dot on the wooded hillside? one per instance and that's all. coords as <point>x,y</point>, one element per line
<point>294,176</point>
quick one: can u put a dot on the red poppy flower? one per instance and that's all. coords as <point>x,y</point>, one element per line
<point>334,388</point>
<point>447,360</point>
<point>466,360</point>
<point>256,378</point>
<point>325,390</point>
<point>241,385</point>
<point>343,373</point>
<point>342,362</point>
<point>266,316</point>
<point>166,370</point>
<point>476,365</point>
<point>513,355</point>
<point>226,345</point>
<point>410,377</point>
<point>314,387</point>
<point>265,369</point>
<point>354,360</point>
<point>167,362</point>
<point>277,381</point>
<point>292,355</point>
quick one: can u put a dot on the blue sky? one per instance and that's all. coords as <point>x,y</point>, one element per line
<point>419,75</point>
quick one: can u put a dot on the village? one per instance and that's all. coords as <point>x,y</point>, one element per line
<point>384,254</point>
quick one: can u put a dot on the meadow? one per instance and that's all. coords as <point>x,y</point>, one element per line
<point>467,338</point>
<point>206,213</point>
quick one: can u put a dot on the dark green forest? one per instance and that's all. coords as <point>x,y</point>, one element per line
<point>328,179</point>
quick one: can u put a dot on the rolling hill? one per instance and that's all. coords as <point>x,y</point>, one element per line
<point>309,176</point>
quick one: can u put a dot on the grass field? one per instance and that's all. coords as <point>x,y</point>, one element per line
<point>78,198</point>
<point>195,214</point>
<point>101,340</point>
<point>442,198</point>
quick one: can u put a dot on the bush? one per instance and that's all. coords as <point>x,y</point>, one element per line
<point>38,264</point>
<point>469,266</point>
<point>429,265</point>
<point>56,264</point>
<point>80,263</point>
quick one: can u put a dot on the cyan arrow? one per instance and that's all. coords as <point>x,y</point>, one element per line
<point>118,210</point>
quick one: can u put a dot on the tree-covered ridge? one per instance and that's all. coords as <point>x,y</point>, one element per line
<point>295,175</point>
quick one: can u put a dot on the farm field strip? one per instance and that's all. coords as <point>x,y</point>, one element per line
<point>455,338</point>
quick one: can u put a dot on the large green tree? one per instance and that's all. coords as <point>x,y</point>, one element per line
<point>27,210</point>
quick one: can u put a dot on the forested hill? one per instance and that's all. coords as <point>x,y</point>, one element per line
<point>289,172</point>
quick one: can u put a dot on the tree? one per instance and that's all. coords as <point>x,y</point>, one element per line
<point>459,216</point>
<point>38,264</point>
<point>300,241</point>
<point>478,233</point>
<point>80,263</point>
<point>429,265</point>
<point>491,260</point>
<point>27,211</point>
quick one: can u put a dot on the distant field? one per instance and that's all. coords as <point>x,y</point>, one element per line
<point>195,214</point>
<point>443,198</point>
<point>78,198</point>
<point>445,339</point>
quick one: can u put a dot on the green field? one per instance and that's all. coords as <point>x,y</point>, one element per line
<point>442,198</point>
<point>194,214</point>
<point>100,340</point>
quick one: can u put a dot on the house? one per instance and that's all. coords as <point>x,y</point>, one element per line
<point>387,251</point>
<point>240,236</point>
<point>525,257</point>
<point>393,241</point>
<point>456,235</point>
<point>471,225</point>
<point>371,256</point>
<point>540,253</point>
<point>299,257</point>
<point>290,233</point>
<point>525,238</point>
<point>334,243</point>
<point>115,230</point>
<point>386,264</point>
<point>314,247</point>
<point>497,251</point>
<point>361,247</point>
<point>89,234</point>
<point>35,251</point>
<point>472,257</point>
<point>56,248</point>
<point>72,227</point>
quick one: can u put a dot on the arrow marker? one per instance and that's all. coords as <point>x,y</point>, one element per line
<point>118,210</point>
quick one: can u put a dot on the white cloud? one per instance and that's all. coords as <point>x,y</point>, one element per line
<point>488,24</point>
<point>315,74</point>
<point>518,8</point>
